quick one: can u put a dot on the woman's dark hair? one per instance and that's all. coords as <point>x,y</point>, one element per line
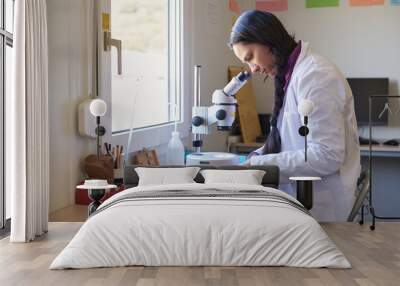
<point>264,28</point>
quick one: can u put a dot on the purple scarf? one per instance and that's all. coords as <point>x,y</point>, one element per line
<point>291,63</point>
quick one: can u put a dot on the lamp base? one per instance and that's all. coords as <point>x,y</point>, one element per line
<point>304,193</point>
<point>304,190</point>
<point>96,195</point>
<point>303,130</point>
<point>100,130</point>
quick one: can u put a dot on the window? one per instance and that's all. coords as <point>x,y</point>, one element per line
<point>6,44</point>
<point>148,92</point>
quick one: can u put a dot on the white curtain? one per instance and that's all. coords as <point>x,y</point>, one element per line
<point>28,148</point>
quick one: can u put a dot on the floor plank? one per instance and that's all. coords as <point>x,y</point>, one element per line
<point>375,257</point>
<point>73,213</point>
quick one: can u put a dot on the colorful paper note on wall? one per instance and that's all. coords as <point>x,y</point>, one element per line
<point>105,21</point>
<point>395,2</point>
<point>234,18</point>
<point>322,3</point>
<point>366,2</point>
<point>272,5</point>
<point>234,6</point>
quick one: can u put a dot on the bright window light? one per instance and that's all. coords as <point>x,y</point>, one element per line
<point>148,90</point>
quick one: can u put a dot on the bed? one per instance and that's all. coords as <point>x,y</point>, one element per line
<point>197,224</point>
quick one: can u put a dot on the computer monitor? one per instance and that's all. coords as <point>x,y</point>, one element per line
<point>362,88</point>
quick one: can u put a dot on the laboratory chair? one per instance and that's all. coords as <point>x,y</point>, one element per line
<point>362,193</point>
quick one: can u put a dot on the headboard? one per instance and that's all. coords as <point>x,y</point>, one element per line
<point>270,179</point>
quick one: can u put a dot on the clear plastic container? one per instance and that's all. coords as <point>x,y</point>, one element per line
<point>175,150</point>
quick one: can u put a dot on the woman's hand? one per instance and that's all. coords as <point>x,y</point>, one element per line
<point>247,163</point>
<point>254,153</point>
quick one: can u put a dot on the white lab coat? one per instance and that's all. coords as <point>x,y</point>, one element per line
<point>333,147</point>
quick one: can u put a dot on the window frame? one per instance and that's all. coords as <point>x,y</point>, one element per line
<point>6,39</point>
<point>153,136</point>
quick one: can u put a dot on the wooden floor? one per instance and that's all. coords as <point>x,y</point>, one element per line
<point>375,257</point>
<point>74,213</point>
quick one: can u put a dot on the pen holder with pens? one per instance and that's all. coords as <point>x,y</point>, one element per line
<point>118,166</point>
<point>117,155</point>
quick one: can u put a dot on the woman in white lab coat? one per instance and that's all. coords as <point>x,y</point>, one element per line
<point>260,40</point>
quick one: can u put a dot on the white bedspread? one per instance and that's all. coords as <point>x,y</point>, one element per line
<point>200,231</point>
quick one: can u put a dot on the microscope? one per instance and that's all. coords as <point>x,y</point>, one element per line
<point>222,112</point>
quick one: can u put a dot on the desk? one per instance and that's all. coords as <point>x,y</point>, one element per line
<point>377,150</point>
<point>380,151</point>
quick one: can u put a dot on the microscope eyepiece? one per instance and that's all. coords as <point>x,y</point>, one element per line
<point>244,75</point>
<point>236,83</point>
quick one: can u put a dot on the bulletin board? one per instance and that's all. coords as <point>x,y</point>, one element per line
<point>247,112</point>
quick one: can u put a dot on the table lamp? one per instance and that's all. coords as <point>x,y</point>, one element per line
<point>98,108</point>
<point>304,189</point>
<point>305,108</point>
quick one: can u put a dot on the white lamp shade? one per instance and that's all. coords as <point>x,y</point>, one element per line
<point>305,107</point>
<point>98,107</point>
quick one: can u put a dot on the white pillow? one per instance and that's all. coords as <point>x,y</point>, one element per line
<point>165,176</point>
<point>249,177</point>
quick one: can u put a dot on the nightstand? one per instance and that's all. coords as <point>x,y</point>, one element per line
<point>95,193</point>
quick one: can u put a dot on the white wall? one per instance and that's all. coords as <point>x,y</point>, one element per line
<point>68,86</point>
<point>361,41</point>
